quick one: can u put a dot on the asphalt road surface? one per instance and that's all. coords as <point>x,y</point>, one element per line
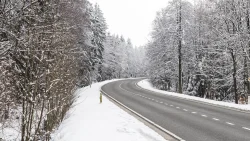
<point>189,120</point>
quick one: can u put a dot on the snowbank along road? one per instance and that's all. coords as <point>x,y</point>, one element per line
<point>187,120</point>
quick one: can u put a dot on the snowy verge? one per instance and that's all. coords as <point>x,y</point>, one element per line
<point>89,120</point>
<point>145,84</point>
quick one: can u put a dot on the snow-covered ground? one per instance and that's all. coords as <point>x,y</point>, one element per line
<point>9,129</point>
<point>147,85</point>
<point>88,120</point>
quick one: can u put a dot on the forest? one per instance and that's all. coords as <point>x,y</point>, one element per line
<point>50,48</point>
<point>202,49</point>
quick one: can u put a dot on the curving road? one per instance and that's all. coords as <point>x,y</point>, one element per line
<point>189,120</point>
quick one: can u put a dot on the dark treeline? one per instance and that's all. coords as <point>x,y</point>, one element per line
<point>213,38</point>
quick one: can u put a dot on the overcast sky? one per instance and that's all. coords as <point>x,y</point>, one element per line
<point>131,18</point>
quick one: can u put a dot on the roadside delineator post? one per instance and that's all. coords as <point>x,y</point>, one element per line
<point>100,97</point>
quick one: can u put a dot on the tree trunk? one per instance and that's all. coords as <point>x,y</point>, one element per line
<point>246,82</point>
<point>247,50</point>
<point>179,47</point>
<point>234,76</point>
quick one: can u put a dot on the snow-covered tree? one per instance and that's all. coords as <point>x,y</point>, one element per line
<point>121,59</point>
<point>48,49</point>
<point>215,49</point>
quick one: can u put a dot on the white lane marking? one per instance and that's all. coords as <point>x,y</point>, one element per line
<point>178,107</point>
<point>185,110</point>
<point>152,99</point>
<point>230,123</point>
<point>194,112</point>
<point>156,101</point>
<point>215,119</point>
<point>246,128</point>
<point>161,102</point>
<point>204,115</point>
<point>171,105</point>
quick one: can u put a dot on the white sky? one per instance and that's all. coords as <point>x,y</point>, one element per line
<point>131,18</point>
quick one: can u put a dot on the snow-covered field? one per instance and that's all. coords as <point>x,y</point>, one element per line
<point>88,120</point>
<point>147,85</point>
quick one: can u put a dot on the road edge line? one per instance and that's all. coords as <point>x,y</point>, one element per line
<point>197,101</point>
<point>144,118</point>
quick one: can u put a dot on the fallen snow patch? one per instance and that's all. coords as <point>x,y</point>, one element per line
<point>88,120</point>
<point>147,85</point>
